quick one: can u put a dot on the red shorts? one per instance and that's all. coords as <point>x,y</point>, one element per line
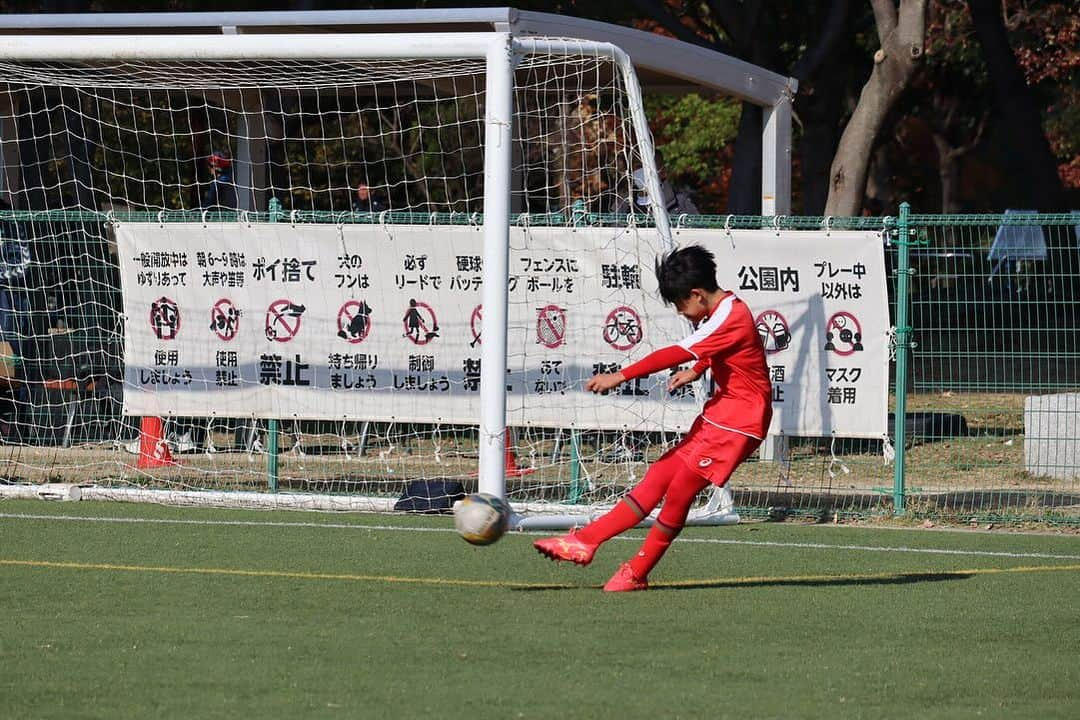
<point>714,453</point>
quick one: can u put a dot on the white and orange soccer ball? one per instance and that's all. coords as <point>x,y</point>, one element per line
<point>481,518</point>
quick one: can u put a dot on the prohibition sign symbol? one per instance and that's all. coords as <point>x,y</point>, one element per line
<point>622,328</point>
<point>476,325</point>
<point>354,321</point>
<point>165,318</point>
<point>283,320</point>
<point>843,334</point>
<point>550,326</point>
<point>421,326</point>
<point>225,319</point>
<point>774,332</point>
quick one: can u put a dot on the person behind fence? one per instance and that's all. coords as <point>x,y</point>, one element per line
<point>14,263</point>
<point>221,194</point>
<point>677,202</point>
<point>365,201</point>
<point>14,317</point>
<point>731,425</point>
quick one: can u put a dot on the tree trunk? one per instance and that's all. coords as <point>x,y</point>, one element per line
<point>821,111</point>
<point>80,138</point>
<point>948,174</point>
<point>902,34</point>
<point>744,195</point>
<point>1016,107</point>
<point>741,22</point>
<point>35,130</point>
<point>821,72</point>
<point>878,196</point>
<point>1028,146</point>
<point>816,153</point>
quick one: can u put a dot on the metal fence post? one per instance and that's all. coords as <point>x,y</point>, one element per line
<point>903,339</point>
<point>272,455</point>
<point>577,489</point>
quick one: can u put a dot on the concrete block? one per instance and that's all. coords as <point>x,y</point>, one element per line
<point>1052,435</point>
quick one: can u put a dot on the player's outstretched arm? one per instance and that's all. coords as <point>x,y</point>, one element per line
<point>655,361</point>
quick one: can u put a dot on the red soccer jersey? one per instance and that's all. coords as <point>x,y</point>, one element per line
<point>727,342</point>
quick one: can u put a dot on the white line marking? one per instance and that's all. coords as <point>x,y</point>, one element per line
<point>237,523</point>
<point>682,540</point>
<point>876,548</point>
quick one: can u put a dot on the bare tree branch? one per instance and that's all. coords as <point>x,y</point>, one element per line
<point>980,130</point>
<point>885,18</point>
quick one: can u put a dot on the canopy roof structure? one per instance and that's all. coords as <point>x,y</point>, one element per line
<point>662,64</point>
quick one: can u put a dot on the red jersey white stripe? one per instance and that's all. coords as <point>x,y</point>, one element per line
<point>729,343</point>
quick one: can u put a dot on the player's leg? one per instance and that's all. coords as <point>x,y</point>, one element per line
<point>684,486</point>
<point>725,451</point>
<point>578,546</point>
<point>637,504</point>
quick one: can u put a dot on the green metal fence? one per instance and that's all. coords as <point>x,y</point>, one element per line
<point>993,418</point>
<point>985,410</point>
<point>985,385</point>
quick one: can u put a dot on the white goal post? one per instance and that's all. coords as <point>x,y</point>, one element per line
<point>135,78</point>
<point>497,163</point>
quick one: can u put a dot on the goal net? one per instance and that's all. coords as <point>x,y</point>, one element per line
<point>247,273</point>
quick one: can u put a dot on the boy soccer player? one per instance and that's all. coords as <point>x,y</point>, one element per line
<point>731,425</point>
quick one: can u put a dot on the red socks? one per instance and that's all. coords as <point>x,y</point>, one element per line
<point>622,517</point>
<point>656,544</point>
<point>669,478</point>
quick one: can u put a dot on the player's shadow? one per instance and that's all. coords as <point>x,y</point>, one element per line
<point>816,581</point>
<point>835,581</point>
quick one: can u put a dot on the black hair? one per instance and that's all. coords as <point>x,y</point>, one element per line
<point>684,269</point>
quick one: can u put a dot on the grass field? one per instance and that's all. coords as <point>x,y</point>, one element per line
<point>126,611</point>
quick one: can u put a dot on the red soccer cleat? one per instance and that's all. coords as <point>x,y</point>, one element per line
<point>566,547</point>
<point>624,581</point>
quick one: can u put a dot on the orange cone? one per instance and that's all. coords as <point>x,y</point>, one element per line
<point>153,450</point>
<point>512,468</point>
<point>510,463</point>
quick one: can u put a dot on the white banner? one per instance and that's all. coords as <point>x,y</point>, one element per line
<point>821,308</point>
<point>383,323</point>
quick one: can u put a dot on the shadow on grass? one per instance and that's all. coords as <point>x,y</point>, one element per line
<point>793,581</point>
<point>818,581</point>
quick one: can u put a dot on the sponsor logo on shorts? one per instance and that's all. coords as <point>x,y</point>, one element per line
<point>704,462</point>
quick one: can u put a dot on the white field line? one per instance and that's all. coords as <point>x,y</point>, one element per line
<point>682,540</point>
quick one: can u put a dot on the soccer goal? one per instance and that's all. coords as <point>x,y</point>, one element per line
<point>315,271</point>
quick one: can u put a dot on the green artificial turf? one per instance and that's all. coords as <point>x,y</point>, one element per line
<point>234,614</point>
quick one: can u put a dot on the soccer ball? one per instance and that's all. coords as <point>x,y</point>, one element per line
<point>481,518</point>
